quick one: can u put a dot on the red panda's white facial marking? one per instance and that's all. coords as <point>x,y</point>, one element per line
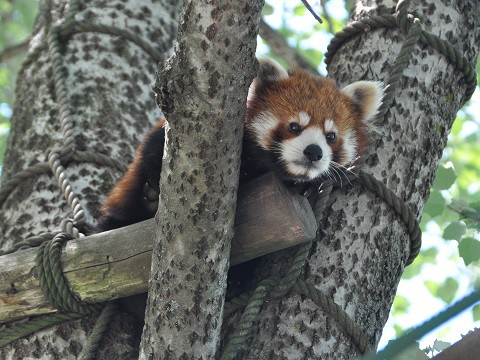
<point>307,155</point>
<point>350,146</point>
<point>309,126</point>
<point>330,126</point>
<point>262,128</point>
<point>302,118</point>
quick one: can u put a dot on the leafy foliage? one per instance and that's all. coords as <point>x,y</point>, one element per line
<point>412,353</point>
<point>16,19</point>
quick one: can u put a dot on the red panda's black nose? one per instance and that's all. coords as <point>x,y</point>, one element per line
<point>313,152</point>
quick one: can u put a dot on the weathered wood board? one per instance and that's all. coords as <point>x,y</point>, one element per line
<point>116,263</point>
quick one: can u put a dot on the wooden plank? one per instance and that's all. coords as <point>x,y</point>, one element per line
<point>116,263</point>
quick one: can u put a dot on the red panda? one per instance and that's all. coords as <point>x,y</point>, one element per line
<point>301,126</point>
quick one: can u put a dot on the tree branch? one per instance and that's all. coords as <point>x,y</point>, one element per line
<point>314,14</point>
<point>280,48</point>
<point>14,50</point>
<point>203,90</point>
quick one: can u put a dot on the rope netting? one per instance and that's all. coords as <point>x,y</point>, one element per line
<point>48,259</point>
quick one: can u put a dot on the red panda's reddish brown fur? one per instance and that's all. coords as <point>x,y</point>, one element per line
<point>129,182</point>
<point>299,125</point>
<point>318,97</point>
<point>303,127</point>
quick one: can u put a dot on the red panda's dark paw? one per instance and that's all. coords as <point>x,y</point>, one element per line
<point>150,198</point>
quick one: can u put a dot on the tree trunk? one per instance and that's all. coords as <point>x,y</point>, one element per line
<point>108,92</point>
<point>363,245</point>
<point>203,94</point>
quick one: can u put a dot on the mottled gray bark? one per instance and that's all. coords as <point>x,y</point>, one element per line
<point>108,85</point>
<point>363,246</point>
<point>203,91</point>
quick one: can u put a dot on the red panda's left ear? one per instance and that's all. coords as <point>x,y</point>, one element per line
<point>268,71</point>
<point>367,95</point>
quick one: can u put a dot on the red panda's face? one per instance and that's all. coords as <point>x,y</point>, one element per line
<point>310,126</point>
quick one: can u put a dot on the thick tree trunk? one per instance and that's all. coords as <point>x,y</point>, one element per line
<point>363,246</point>
<point>203,91</point>
<point>108,90</point>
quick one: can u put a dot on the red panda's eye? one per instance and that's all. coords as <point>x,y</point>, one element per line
<point>331,136</point>
<point>295,128</point>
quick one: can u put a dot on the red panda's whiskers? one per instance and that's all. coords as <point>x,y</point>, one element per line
<point>334,172</point>
<point>343,170</point>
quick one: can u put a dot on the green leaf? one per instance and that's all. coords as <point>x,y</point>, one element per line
<point>435,204</point>
<point>313,56</point>
<point>398,330</point>
<point>413,352</point>
<point>425,256</point>
<point>447,290</point>
<point>412,270</point>
<point>476,313</point>
<point>469,250</point>
<point>299,10</point>
<point>267,10</point>
<point>432,286</point>
<point>441,345</point>
<point>400,305</point>
<point>444,179</point>
<point>3,146</point>
<point>454,231</point>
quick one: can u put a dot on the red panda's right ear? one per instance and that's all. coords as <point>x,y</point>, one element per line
<point>268,71</point>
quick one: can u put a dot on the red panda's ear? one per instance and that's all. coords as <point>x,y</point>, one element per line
<point>268,71</point>
<point>367,95</point>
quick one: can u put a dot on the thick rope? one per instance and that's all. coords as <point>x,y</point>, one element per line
<point>19,177</point>
<point>101,326</point>
<point>327,304</point>
<point>44,168</point>
<point>32,241</point>
<point>22,329</point>
<point>242,332</point>
<point>52,280</point>
<point>401,63</point>
<point>402,209</point>
<point>373,22</point>
<point>100,159</point>
<point>80,27</point>
<point>70,197</point>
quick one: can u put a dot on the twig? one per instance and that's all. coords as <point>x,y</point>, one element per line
<point>280,48</point>
<point>309,8</point>
<point>13,51</point>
